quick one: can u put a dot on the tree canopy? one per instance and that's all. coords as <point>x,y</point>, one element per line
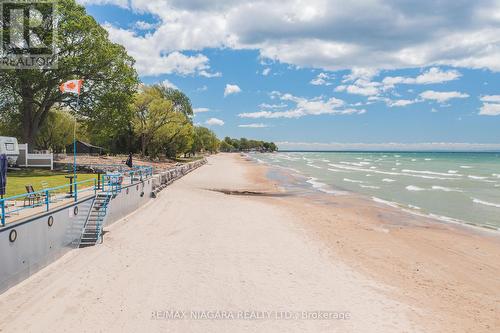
<point>84,52</point>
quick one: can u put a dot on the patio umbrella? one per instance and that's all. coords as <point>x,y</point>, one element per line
<point>3,174</point>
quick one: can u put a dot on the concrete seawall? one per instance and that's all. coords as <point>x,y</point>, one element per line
<point>29,245</point>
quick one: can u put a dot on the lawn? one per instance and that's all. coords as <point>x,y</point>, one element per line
<point>16,180</point>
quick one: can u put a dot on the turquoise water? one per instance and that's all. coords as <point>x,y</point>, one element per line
<point>458,187</point>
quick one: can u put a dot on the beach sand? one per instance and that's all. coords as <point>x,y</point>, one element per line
<point>196,249</point>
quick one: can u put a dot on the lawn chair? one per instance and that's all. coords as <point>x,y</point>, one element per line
<point>32,197</point>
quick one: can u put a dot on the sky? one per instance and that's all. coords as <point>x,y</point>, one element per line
<point>323,74</point>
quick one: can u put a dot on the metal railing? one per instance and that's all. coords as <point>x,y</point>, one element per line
<point>111,183</point>
<point>45,197</point>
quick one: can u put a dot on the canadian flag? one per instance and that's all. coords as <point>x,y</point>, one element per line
<point>72,86</point>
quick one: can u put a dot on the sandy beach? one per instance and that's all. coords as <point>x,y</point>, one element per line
<point>226,241</point>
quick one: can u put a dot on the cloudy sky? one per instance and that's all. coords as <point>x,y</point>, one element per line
<point>315,73</point>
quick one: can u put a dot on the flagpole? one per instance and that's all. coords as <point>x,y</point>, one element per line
<point>74,139</point>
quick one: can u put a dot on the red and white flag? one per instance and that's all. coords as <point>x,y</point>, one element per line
<point>72,86</point>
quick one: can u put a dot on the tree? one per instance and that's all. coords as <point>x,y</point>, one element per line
<point>204,140</point>
<point>57,132</point>
<point>151,112</point>
<point>84,52</point>
<point>176,137</point>
<point>181,103</point>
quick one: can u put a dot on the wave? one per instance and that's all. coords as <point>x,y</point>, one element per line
<point>425,172</point>
<point>335,170</point>
<point>486,203</point>
<point>477,177</point>
<point>446,189</point>
<point>370,186</point>
<point>353,181</point>
<point>414,188</point>
<point>452,171</point>
<point>340,166</point>
<point>388,180</point>
<point>466,167</point>
<point>315,166</point>
<point>414,207</point>
<point>321,186</point>
<point>385,202</point>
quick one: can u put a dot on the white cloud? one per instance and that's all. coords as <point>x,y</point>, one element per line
<point>200,110</point>
<point>390,146</point>
<point>214,122</point>
<point>231,89</point>
<point>260,125</point>
<point>490,109</point>
<point>491,98</point>
<point>304,107</point>
<point>332,35</point>
<point>266,71</point>
<point>491,105</point>
<point>442,96</point>
<point>321,80</point>
<point>154,58</point>
<point>401,102</point>
<point>273,106</point>
<point>431,76</point>
<point>169,84</point>
<point>142,25</point>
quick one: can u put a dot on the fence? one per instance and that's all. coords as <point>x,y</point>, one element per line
<point>45,197</point>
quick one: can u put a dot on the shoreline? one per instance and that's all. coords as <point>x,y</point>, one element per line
<point>336,190</point>
<point>425,265</point>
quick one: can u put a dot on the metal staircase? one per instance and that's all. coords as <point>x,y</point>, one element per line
<point>92,232</point>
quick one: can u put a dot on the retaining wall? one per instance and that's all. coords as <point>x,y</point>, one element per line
<point>42,239</point>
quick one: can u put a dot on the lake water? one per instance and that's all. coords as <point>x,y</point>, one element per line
<point>456,187</point>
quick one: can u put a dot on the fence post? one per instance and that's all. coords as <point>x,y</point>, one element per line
<point>3,212</point>
<point>95,188</point>
<point>76,192</point>
<point>47,200</point>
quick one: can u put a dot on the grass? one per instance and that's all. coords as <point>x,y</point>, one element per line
<point>16,180</point>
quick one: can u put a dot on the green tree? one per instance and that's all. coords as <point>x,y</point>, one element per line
<point>180,101</point>
<point>57,132</point>
<point>151,112</point>
<point>84,52</point>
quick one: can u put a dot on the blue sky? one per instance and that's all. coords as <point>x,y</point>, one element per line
<point>310,73</point>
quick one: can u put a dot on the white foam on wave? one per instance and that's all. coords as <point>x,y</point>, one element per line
<point>414,207</point>
<point>414,188</point>
<point>452,171</point>
<point>385,202</point>
<point>426,172</point>
<point>428,159</point>
<point>465,167</point>
<point>344,167</point>
<point>353,181</point>
<point>486,203</point>
<point>477,177</point>
<point>335,170</point>
<point>495,175</point>
<point>445,189</point>
<point>320,186</point>
<point>388,180</point>
<point>314,166</point>
<point>370,186</point>
<point>413,160</point>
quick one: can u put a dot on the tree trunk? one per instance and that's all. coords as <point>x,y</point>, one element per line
<point>30,129</point>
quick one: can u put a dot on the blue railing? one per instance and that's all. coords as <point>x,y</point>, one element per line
<point>45,197</point>
<point>111,183</point>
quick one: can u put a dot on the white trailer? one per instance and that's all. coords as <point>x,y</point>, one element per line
<point>9,147</point>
